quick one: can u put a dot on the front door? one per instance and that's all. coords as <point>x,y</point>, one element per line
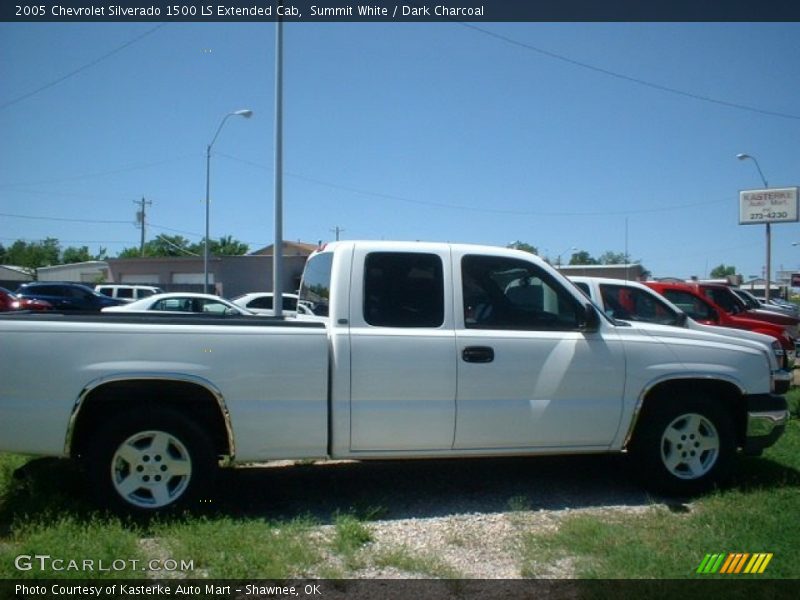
<point>528,375</point>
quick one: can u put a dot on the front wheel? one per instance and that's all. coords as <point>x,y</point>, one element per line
<point>150,462</point>
<point>683,445</point>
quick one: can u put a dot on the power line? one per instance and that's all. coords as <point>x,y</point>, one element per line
<point>628,78</point>
<point>64,219</point>
<point>133,167</point>
<point>80,69</point>
<point>500,211</point>
<point>60,241</point>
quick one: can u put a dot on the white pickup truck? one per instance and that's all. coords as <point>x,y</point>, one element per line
<point>634,302</point>
<point>420,350</point>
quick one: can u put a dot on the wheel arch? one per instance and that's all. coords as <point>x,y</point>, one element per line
<point>715,388</point>
<point>193,396</point>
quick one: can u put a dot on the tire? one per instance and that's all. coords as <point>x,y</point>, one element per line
<point>683,445</point>
<point>150,462</point>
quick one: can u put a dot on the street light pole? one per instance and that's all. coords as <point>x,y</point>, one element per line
<point>768,285</point>
<point>239,113</point>
<point>277,248</point>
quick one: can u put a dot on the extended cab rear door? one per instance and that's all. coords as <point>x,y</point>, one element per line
<point>402,350</point>
<point>529,374</point>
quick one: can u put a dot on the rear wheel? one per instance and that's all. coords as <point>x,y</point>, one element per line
<point>151,462</point>
<point>683,444</point>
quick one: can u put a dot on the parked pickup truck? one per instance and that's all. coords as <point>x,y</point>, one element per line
<point>635,302</point>
<point>424,350</point>
<point>703,310</point>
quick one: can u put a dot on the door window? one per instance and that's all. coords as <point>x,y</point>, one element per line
<point>633,304</point>
<point>691,305</point>
<point>508,293</point>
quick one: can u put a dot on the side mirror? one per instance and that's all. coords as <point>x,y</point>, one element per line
<point>591,320</point>
<point>680,319</point>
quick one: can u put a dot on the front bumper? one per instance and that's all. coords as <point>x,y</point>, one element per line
<point>767,415</point>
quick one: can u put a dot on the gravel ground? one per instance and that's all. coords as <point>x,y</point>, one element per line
<point>462,518</point>
<point>474,546</point>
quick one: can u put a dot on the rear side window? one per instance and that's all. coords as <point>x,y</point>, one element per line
<point>106,291</point>
<point>403,289</point>
<point>124,292</point>
<point>261,303</point>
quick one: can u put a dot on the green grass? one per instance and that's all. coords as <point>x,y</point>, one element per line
<point>350,536</point>
<point>403,559</point>
<point>241,548</point>
<point>46,513</point>
<point>756,514</point>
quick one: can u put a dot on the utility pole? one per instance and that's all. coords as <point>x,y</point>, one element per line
<point>337,230</point>
<point>141,220</point>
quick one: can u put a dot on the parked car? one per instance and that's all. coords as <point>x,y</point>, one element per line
<point>778,305</point>
<point>6,300</point>
<point>723,296</point>
<point>789,307</point>
<point>182,302</point>
<point>63,296</point>
<point>261,303</point>
<point>636,303</point>
<point>9,301</point>
<point>127,293</point>
<point>703,310</point>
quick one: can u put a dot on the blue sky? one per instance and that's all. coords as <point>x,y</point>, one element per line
<point>432,131</point>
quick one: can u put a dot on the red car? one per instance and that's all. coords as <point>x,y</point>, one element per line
<point>688,297</point>
<point>6,300</point>
<point>9,301</point>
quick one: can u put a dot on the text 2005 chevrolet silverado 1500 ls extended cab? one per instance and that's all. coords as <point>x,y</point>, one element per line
<point>423,350</point>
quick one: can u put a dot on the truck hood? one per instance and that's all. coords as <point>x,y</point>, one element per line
<point>710,334</point>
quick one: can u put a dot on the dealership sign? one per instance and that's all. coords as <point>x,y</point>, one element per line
<point>773,205</point>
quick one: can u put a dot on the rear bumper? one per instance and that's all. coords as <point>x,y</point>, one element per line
<point>767,415</point>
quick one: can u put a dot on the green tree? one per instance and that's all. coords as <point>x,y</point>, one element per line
<point>721,271</point>
<point>176,245</point>
<point>224,246</point>
<point>524,246</point>
<point>33,254</point>
<point>582,257</point>
<point>163,245</point>
<point>76,255</point>
<point>613,258</point>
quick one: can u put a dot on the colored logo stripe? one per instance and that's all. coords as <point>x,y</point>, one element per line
<point>735,563</point>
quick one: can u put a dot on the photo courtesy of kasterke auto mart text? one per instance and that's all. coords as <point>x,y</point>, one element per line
<point>414,350</point>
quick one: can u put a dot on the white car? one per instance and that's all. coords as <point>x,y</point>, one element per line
<point>261,303</point>
<point>127,293</point>
<point>182,302</point>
